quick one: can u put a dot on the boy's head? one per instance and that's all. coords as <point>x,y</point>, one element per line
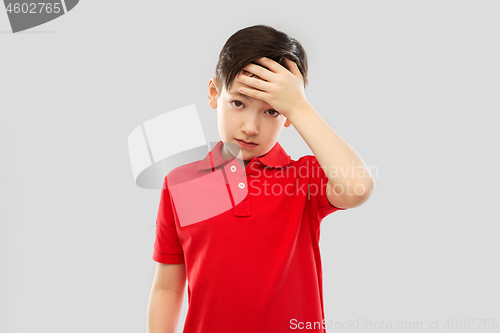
<point>240,116</point>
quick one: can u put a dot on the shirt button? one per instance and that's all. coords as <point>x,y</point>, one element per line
<point>241,185</point>
<point>233,168</point>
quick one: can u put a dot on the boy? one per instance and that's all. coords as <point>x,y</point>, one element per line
<point>255,266</point>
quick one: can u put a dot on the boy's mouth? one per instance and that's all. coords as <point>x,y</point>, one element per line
<point>246,143</point>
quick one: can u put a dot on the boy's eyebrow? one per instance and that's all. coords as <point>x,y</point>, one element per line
<point>238,93</point>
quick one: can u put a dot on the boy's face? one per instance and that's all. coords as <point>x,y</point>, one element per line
<point>240,117</point>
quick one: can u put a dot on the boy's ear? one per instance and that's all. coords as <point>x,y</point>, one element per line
<point>212,93</point>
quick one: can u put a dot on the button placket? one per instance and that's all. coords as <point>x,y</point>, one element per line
<point>242,195</point>
<point>234,172</point>
<point>237,181</point>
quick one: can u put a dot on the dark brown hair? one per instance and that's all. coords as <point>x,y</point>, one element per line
<point>252,43</point>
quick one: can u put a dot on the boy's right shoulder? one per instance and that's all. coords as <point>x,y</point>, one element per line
<point>183,173</point>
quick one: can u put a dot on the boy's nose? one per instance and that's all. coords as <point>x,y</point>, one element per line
<point>250,126</point>
<point>250,130</point>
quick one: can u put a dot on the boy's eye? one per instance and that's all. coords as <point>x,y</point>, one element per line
<point>275,114</point>
<point>236,102</point>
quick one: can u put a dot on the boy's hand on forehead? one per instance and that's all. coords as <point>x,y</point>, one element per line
<point>275,85</point>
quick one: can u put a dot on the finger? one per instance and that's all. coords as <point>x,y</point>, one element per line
<point>273,66</point>
<point>253,82</point>
<point>293,67</point>
<point>259,71</point>
<point>276,66</point>
<point>253,93</point>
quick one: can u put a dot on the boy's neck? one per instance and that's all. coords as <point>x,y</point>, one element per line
<point>227,155</point>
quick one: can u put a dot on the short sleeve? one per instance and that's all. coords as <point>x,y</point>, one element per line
<point>317,190</point>
<point>167,248</point>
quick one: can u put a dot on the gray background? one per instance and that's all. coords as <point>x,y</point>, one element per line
<point>411,85</point>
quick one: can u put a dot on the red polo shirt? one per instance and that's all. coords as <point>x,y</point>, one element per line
<point>249,240</point>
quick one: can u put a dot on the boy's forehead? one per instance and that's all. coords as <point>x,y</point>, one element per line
<point>234,91</point>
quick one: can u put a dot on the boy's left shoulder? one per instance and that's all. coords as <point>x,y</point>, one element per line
<point>306,161</point>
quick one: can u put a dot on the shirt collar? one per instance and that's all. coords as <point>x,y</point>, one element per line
<point>276,157</point>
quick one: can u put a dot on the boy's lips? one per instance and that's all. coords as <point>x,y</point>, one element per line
<point>249,142</point>
<point>246,144</point>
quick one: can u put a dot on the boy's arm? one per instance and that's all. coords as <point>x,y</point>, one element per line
<point>165,298</point>
<point>284,90</point>
<point>346,171</point>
